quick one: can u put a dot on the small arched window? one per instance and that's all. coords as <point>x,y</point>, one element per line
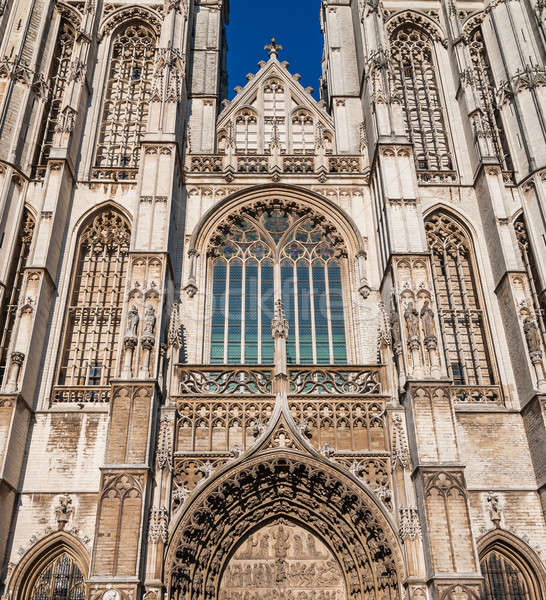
<point>276,251</point>
<point>127,98</point>
<point>484,85</point>
<point>246,132</point>
<point>58,76</point>
<point>416,84</point>
<point>94,314</point>
<point>60,579</point>
<point>461,313</point>
<point>303,131</point>
<point>13,285</point>
<point>274,113</point>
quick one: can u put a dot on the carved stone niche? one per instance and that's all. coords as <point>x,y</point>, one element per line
<point>282,560</point>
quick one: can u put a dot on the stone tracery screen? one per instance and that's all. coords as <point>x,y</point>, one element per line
<point>275,252</point>
<point>282,561</point>
<point>461,314</point>
<point>127,98</point>
<point>59,75</point>
<point>415,82</point>
<point>94,314</point>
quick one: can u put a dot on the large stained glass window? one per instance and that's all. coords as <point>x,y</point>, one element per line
<point>272,252</point>
<point>61,579</point>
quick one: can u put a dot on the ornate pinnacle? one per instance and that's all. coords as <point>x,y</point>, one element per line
<point>273,48</point>
<point>279,324</point>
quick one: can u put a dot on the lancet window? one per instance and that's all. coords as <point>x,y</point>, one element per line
<point>246,132</point>
<point>61,579</point>
<point>59,77</point>
<point>415,82</point>
<point>457,288</point>
<point>484,85</point>
<point>127,100</point>
<point>303,131</point>
<point>270,252</point>
<point>94,314</point>
<point>528,258</point>
<point>13,286</point>
<point>503,579</point>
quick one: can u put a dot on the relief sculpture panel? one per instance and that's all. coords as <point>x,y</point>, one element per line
<point>282,562</point>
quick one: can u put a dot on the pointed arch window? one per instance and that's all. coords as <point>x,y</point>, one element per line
<point>13,286</point>
<point>90,351</point>
<point>127,99</point>
<point>457,288</point>
<point>60,579</point>
<point>415,81</point>
<point>58,76</point>
<point>303,131</point>
<point>278,252</point>
<point>528,258</point>
<point>484,85</point>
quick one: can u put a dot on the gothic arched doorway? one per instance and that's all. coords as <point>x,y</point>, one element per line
<point>310,495</point>
<point>282,561</point>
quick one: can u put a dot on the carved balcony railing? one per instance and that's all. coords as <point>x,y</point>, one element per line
<point>114,173</point>
<point>336,380</point>
<point>298,164</point>
<point>91,394</point>
<point>483,395</point>
<point>434,177</point>
<point>224,380</point>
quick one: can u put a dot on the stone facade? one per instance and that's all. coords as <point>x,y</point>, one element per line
<point>149,447</point>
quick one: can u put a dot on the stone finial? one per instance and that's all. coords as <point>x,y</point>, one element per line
<point>279,324</point>
<point>273,48</point>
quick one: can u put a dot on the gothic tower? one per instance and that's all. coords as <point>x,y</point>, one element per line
<point>272,347</point>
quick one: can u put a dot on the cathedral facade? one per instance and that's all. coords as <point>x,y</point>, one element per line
<point>272,348</point>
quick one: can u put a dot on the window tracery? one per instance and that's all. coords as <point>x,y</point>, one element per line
<point>485,88</point>
<point>503,579</point>
<point>462,317</point>
<point>61,579</point>
<point>415,82</point>
<point>528,258</point>
<point>13,286</point>
<point>246,132</point>
<point>303,131</point>
<point>94,314</point>
<point>277,251</point>
<point>59,77</point>
<point>127,99</point>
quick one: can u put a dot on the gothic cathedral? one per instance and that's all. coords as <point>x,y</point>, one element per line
<point>273,347</point>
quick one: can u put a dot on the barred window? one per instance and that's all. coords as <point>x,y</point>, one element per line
<point>415,82</point>
<point>277,252</point>
<point>126,104</point>
<point>94,314</point>
<point>457,288</point>
<point>58,76</point>
<point>528,258</point>
<point>503,580</point>
<point>13,286</point>
<point>485,88</point>
<point>61,579</point>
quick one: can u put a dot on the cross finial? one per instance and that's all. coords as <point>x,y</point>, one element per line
<point>273,48</point>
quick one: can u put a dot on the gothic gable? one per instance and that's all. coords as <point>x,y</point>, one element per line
<point>273,108</point>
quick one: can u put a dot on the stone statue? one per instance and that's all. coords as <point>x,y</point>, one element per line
<point>412,321</point>
<point>149,322</point>
<point>132,322</point>
<point>532,337</point>
<point>395,333</point>
<point>427,317</point>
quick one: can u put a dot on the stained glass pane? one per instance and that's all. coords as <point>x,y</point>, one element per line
<point>61,579</point>
<point>251,313</point>
<point>502,579</point>
<point>321,313</point>
<point>234,316</point>
<point>267,311</point>
<point>337,316</point>
<point>218,313</point>
<point>304,314</point>
<point>287,276</point>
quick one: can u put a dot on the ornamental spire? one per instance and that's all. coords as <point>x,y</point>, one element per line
<point>273,48</point>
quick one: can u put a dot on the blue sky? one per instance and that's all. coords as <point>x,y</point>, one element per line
<point>294,23</point>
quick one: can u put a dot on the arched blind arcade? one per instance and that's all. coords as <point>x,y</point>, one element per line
<point>271,252</point>
<point>127,99</point>
<point>416,84</point>
<point>94,314</point>
<point>61,579</point>
<point>461,312</point>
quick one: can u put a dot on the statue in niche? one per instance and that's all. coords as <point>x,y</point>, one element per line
<point>132,322</point>
<point>149,322</point>
<point>412,321</point>
<point>427,317</point>
<point>264,546</point>
<point>311,546</point>
<point>298,545</point>
<point>532,337</point>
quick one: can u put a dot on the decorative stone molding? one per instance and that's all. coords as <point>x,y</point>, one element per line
<point>159,525</point>
<point>410,525</point>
